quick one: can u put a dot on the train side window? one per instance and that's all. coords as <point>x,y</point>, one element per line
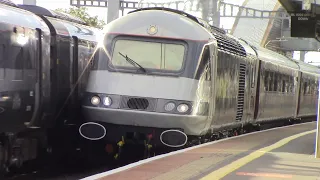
<point>283,88</point>
<point>253,77</point>
<point>14,62</point>
<point>275,82</point>
<point>266,79</point>
<point>291,79</point>
<point>27,60</point>
<point>304,88</point>
<point>2,61</point>
<point>271,79</point>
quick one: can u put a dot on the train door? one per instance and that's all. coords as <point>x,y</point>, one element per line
<point>257,89</point>
<point>17,93</point>
<point>36,54</point>
<point>252,88</point>
<point>209,60</point>
<point>298,93</point>
<point>74,74</point>
<point>2,80</point>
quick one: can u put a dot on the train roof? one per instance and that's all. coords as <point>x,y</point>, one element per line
<point>138,22</point>
<point>68,28</point>
<point>51,13</point>
<point>275,58</point>
<point>13,16</point>
<point>308,68</point>
<point>8,2</point>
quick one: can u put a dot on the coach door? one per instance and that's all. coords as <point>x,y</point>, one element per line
<point>36,53</point>
<point>209,55</point>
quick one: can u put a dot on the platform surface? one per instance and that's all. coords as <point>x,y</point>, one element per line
<point>280,153</point>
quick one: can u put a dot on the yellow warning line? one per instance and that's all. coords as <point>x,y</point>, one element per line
<point>222,172</point>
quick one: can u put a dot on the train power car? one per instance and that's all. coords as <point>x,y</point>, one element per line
<point>44,57</point>
<point>166,77</point>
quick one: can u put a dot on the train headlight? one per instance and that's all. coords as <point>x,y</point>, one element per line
<point>169,106</point>
<point>182,108</point>
<point>107,101</point>
<point>95,100</point>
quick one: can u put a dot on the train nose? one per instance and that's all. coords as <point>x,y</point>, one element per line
<point>92,131</point>
<point>173,138</point>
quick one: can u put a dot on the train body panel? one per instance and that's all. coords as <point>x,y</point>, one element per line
<point>277,87</point>
<point>143,86</point>
<point>19,75</point>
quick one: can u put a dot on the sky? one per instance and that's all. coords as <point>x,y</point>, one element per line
<point>226,23</point>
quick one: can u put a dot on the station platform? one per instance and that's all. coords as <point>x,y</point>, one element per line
<point>279,153</point>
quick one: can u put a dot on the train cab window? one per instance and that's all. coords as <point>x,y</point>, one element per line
<point>153,55</point>
<point>1,61</point>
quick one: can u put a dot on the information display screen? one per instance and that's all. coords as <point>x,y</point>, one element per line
<point>303,25</point>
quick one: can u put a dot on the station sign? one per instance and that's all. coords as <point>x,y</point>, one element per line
<point>303,25</point>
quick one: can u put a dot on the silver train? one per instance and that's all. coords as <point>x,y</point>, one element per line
<point>166,77</point>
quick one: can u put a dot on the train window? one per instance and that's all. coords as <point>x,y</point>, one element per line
<point>290,86</point>
<point>252,77</point>
<point>283,88</point>
<point>266,80</point>
<point>275,82</point>
<point>1,61</point>
<point>152,55</point>
<point>15,61</point>
<point>271,79</point>
<point>27,60</point>
<point>305,88</point>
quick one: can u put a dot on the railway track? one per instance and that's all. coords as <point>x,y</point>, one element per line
<point>73,167</point>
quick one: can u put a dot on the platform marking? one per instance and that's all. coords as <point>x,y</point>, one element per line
<point>132,165</point>
<point>272,175</point>
<point>222,172</point>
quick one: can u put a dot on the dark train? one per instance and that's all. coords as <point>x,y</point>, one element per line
<point>165,77</point>
<point>44,61</point>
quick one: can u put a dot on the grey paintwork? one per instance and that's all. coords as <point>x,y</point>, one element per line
<point>142,21</point>
<point>140,85</point>
<point>192,125</point>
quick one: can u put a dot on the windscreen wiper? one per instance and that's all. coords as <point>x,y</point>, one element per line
<point>132,62</point>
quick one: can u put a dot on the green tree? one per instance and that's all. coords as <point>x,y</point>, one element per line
<point>84,15</point>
